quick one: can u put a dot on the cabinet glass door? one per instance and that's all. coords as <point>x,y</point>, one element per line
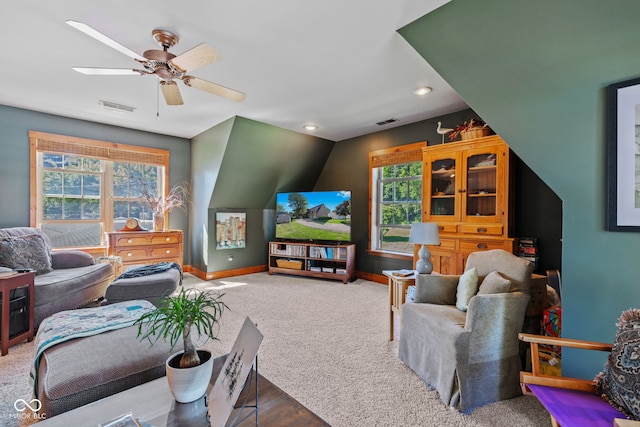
<point>443,187</point>
<point>481,191</point>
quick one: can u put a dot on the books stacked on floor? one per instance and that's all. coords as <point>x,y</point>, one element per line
<point>528,249</point>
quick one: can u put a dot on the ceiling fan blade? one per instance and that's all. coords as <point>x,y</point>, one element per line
<point>104,39</point>
<point>196,57</point>
<point>109,71</point>
<point>213,88</point>
<point>171,93</point>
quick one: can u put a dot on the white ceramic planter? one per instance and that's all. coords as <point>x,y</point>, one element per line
<point>189,384</point>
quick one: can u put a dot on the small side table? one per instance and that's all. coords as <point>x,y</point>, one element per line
<point>397,294</point>
<point>7,284</point>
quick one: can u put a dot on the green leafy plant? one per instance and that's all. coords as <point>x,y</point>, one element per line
<point>180,315</point>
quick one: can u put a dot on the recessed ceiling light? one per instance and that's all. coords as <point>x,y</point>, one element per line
<point>422,90</point>
<point>310,127</point>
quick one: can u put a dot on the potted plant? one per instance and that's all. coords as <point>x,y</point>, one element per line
<point>176,317</point>
<point>474,128</point>
<point>160,205</point>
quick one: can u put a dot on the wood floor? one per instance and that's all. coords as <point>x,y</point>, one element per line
<point>276,408</point>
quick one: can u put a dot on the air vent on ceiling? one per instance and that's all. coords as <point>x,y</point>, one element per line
<point>386,122</point>
<point>117,107</point>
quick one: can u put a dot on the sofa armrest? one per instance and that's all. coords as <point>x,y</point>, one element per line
<point>70,259</point>
<point>436,289</point>
<point>495,320</point>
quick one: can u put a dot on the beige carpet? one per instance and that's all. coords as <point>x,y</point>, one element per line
<point>326,344</point>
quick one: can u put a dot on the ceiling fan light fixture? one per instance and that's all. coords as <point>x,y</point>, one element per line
<point>310,127</point>
<point>163,64</point>
<point>422,91</point>
<point>114,106</point>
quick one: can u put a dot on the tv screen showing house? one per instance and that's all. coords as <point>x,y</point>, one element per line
<point>319,216</point>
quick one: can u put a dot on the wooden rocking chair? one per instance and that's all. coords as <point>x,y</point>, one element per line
<point>570,401</point>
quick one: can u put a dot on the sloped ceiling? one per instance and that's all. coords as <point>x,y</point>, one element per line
<point>338,64</point>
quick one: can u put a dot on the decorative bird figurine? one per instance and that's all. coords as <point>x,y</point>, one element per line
<point>443,131</point>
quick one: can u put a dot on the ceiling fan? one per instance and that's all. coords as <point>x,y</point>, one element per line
<point>166,66</point>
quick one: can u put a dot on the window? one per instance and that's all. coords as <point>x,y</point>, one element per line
<point>85,187</point>
<point>396,197</point>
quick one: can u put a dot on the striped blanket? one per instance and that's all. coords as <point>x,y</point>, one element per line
<point>70,324</point>
<point>146,270</point>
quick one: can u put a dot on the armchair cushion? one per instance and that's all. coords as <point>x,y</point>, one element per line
<point>617,383</point>
<point>494,283</point>
<point>467,288</point>
<point>517,270</point>
<point>434,289</point>
<point>71,259</point>
<point>28,252</point>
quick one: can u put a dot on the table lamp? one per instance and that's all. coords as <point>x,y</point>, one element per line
<point>424,233</point>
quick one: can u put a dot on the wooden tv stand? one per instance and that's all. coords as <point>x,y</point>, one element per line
<point>325,261</point>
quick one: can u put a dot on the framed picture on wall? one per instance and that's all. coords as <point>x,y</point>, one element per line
<point>231,230</point>
<point>623,156</point>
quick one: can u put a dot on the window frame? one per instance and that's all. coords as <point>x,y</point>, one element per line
<point>107,152</point>
<point>403,154</point>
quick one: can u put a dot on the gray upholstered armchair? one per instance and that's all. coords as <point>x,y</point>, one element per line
<point>470,357</point>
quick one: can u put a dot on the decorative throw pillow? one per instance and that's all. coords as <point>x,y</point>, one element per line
<point>432,289</point>
<point>494,283</point>
<point>29,252</point>
<point>467,288</point>
<point>618,383</point>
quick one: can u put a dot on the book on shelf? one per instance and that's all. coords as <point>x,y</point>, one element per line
<point>528,249</point>
<point>403,273</point>
<point>411,294</point>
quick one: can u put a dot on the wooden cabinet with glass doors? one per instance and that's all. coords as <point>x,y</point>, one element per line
<point>466,191</point>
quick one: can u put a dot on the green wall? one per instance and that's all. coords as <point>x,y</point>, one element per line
<point>538,209</point>
<point>15,124</point>
<point>537,72</point>
<point>239,165</point>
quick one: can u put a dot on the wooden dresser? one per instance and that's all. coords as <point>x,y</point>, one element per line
<point>145,247</point>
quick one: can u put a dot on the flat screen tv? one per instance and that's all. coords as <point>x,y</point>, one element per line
<point>317,216</point>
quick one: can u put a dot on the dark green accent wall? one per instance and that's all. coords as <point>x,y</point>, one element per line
<point>538,210</point>
<point>240,164</point>
<point>15,124</point>
<point>537,72</point>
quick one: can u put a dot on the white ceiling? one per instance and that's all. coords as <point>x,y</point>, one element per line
<point>336,63</point>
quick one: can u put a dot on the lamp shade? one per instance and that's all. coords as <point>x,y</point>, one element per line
<point>424,233</point>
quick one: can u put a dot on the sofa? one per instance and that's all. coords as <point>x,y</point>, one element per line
<point>65,279</point>
<point>460,333</point>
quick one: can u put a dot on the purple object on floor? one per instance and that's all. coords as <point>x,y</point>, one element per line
<point>573,408</point>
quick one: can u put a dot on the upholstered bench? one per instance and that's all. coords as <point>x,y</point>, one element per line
<point>82,370</point>
<point>150,287</point>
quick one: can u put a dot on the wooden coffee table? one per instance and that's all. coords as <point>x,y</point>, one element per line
<point>153,404</point>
